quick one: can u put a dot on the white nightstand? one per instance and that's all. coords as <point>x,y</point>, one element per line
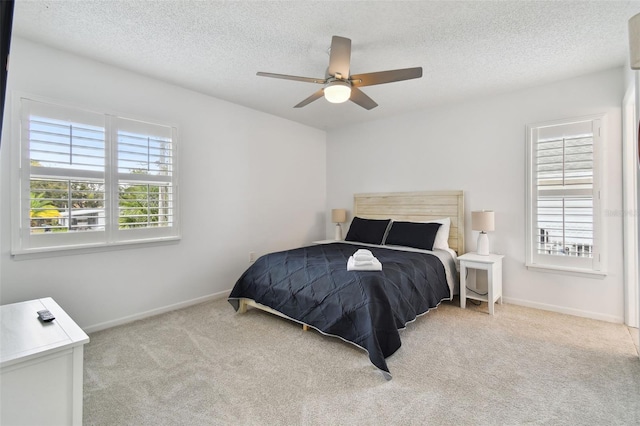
<point>493,265</point>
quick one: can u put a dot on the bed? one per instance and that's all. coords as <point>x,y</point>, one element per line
<point>312,286</point>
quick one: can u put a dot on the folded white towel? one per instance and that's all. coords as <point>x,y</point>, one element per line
<point>364,251</point>
<point>363,255</point>
<point>363,258</point>
<point>357,262</point>
<point>374,266</point>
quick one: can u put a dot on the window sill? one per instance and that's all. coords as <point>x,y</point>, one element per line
<point>41,253</point>
<point>577,272</point>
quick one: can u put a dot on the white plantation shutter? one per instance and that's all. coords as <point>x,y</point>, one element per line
<point>63,173</point>
<point>145,174</point>
<point>86,176</point>
<point>563,198</point>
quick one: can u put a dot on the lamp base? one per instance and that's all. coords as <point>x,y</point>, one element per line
<point>483,244</point>
<point>338,235</point>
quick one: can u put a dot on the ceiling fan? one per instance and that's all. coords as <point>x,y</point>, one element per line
<point>339,85</point>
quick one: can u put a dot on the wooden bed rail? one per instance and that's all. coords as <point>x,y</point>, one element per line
<point>245,303</point>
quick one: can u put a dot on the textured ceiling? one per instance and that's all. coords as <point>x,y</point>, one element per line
<point>467,49</point>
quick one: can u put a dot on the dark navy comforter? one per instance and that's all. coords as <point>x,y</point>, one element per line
<point>312,285</point>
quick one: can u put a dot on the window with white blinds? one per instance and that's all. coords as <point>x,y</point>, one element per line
<point>145,170</point>
<point>92,179</point>
<point>563,196</point>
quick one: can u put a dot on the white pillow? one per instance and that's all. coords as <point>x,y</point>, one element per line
<point>442,236</point>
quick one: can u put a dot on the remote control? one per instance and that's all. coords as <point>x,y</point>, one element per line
<point>45,316</point>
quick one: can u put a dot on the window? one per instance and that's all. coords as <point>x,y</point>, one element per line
<point>563,195</point>
<point>88,179</point>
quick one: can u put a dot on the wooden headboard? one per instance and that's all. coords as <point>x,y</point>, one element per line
<point>416,207</point>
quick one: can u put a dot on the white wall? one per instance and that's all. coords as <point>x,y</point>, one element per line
<point>248,182</point>
<point>478,146</point>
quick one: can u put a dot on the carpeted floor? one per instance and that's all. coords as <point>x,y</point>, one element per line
<point>207,365</point>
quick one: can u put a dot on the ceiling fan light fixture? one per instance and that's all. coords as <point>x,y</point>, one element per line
<point>338,85</point>
<point>337,91</point>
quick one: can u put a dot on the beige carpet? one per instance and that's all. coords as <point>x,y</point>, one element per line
<point>207,365</point>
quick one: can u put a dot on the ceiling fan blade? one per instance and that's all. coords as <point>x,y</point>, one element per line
<point>292,77</point>
<point>340,56</point>
<point>359,97</point>
<point>382,77</point>
<point>317,95</point>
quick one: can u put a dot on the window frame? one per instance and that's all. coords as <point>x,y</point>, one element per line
<point>590,267</point>
<point>24,244</point>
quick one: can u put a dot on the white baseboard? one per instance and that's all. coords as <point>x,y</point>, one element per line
<point>563,310</point>
<point>224,294</point>
<point>156,311</point>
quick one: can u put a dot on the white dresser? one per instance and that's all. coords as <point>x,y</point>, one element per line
<point>40,365</point>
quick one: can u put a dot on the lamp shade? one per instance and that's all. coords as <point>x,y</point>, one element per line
<point>634,42</point>
<point>337,91</point>
<point>338,215</point>
<point>482,221</point>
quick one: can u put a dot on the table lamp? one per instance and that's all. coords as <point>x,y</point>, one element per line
<point>338,216</point>
<point>482,221</point>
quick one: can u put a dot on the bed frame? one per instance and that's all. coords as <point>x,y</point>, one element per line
<point>416,207</point>
<point>405,206</point>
